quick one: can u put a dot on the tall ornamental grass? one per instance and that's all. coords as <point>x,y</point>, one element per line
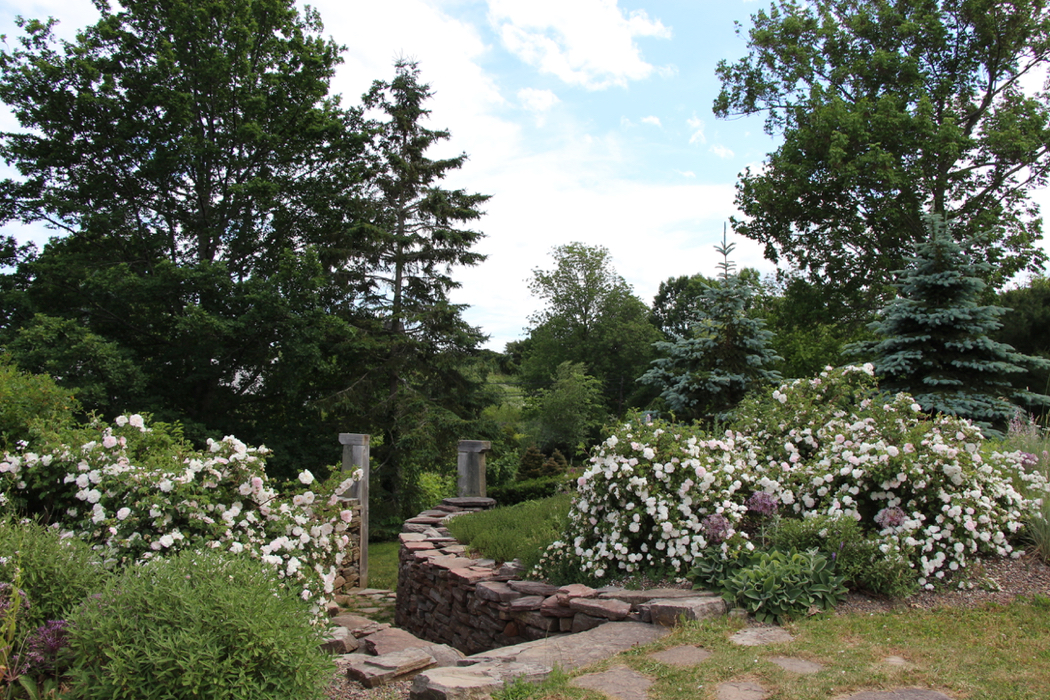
<point>928,490</point>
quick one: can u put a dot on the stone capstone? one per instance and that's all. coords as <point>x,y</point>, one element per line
<point>373,671</point>
<point>668,611</point>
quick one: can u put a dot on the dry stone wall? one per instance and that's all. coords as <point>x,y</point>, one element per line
<point>348,573</point>
<point>476,605</point>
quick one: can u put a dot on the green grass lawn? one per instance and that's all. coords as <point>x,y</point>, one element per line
<point>382,565</point>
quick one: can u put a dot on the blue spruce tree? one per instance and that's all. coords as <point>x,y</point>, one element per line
<point>708,371</point>
<point>936,343</point>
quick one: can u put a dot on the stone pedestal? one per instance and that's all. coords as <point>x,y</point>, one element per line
<point>470,467</point>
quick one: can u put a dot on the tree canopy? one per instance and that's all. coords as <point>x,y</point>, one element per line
<point>890,109</point>
<point>592,317</point>
<point>239,252</point>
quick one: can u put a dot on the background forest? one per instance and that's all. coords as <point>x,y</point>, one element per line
<point>240,253</point>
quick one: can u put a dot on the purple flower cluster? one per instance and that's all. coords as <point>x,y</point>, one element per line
<point>762,503</point>
<point>890,517</point>
<point>1029,460</point>
<point>716,528</point>
<point>44,644</point>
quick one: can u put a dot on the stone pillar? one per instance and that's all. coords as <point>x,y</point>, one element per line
<point>471,467</point>
<point>356,456</point>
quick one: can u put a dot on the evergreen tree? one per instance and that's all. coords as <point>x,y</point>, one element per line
<point>935,338</point>
<point>531,466</point>
<point>415,234</point>
<point>706,372</point>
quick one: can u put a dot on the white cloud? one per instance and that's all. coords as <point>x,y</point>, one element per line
<point>655,121</point>
<point>537,100</point>
<point>696,125</point>
<point>721,151</point>
<point>686,173</point>
<point>585,42</point>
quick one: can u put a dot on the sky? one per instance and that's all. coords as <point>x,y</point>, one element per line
<point>586,121</point>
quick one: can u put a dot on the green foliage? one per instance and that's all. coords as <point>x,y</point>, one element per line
<point>935,340</point>
<point>568,413</point>
<point>855,553</point>
<point>29,403</point>
<point>887,108</point>
<point>527,490</point>
<point>592,317</point>
<point>1026,327</point>
<point>101,372</point>
<point>434,487</point>
<point>811,324</point>
<point>56,573</point>
<point>198,625</point>
<point>531,464</point>
<point>725,354</point>
<point>522,531</point>
<point>777,586</point>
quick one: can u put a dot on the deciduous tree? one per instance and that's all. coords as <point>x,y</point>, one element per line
<point>890,109</point>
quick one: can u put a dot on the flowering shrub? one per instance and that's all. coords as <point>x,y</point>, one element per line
<point>135,493</point>
<point>658,495</point>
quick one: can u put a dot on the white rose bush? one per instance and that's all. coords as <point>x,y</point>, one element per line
<point>656,497</point>
<point>136,492</point>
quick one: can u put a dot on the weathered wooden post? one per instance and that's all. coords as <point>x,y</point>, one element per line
<point>356,456</point>
<point>470,467</point>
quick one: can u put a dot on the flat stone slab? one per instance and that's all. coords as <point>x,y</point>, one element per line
<point>899,694</point>
<point>667,611</point>
<point>609,609</point>
<point>638,597</point>
<point>391,640</point>
<point>374,671</point>
<point>478,681</point>
<point>470,502</point>
<point>740,690</point>
<point>794,665</point>
<point>533,588</point>
<point>618,682</point>
<point>359,626</point>
<point>577,650</point>
<point>757,636</point>
<point>681,656</point>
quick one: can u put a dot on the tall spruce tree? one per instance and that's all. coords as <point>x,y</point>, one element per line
<point>708,371</point>
<point>935,338</point>
<point>416,233</point>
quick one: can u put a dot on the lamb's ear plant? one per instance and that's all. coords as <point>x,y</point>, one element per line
<point>777,586</point>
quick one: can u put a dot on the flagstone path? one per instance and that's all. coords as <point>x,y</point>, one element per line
<point>443,673</point>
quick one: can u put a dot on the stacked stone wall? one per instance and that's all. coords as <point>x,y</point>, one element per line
<point>476,605</point>
<point>348,572</point>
